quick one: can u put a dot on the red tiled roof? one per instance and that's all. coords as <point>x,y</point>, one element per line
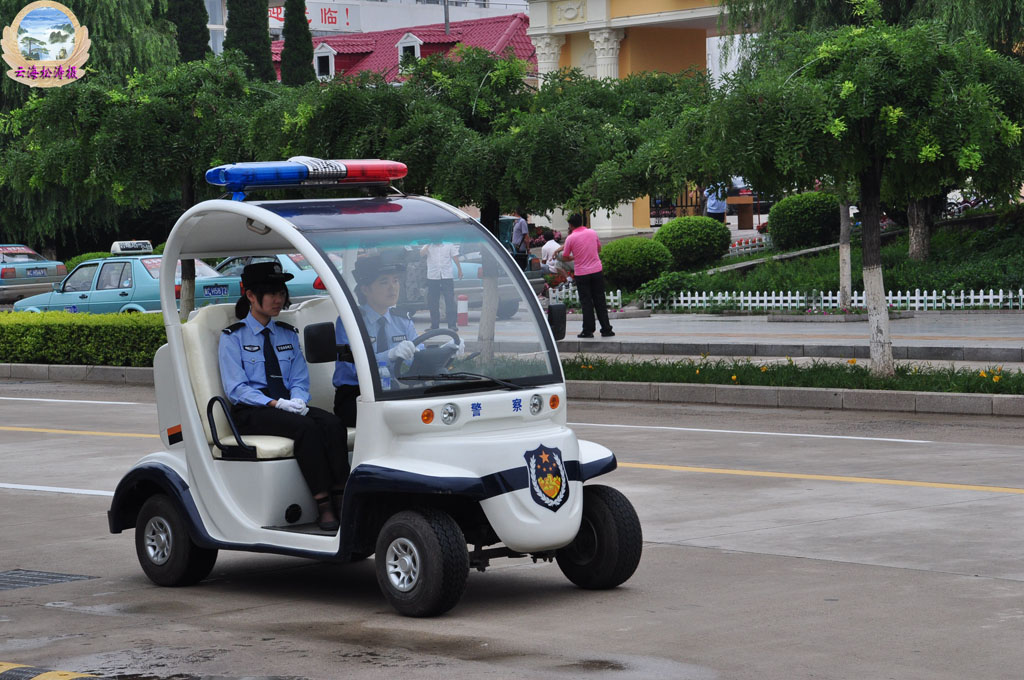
<point>494,34</point>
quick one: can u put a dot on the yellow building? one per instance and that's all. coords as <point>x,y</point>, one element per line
<point>613,38</point>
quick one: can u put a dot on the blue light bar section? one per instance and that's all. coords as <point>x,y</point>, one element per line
<point>238,176</point>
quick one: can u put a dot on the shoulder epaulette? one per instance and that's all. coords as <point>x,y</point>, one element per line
<point>233,327</point>
<point>287,326</point>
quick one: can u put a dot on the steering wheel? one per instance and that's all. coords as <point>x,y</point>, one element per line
<point>429,360</point>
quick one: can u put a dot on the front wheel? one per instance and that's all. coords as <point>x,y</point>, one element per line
<point>422,562</point>
<point>165,550</point>
<point>606,551</point>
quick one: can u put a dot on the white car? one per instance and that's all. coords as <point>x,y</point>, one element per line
<point>455,460</point>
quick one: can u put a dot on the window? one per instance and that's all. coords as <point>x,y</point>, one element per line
<point>216,22</point>
<point>115,275</point>
<point>408,47</point>
<point>80,279</point>
<point>323,61</point>
<point>323,66</point>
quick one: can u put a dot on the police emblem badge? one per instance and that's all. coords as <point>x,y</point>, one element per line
<point>549,482</point>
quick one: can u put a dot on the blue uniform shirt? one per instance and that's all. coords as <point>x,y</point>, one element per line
<point>240,355</point>
<point>716,198</point>
<point>398,329</point>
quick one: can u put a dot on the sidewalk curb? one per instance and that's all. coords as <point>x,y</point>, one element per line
<point>1010,355</point>
<point>665,393</point>
<point>799,397</point>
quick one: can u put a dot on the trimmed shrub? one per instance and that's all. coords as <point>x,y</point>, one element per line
<point>86,339</point>
<point>804,221</point>
<point>632,261</point>
<point>694,241</point>
<point>79,259</point>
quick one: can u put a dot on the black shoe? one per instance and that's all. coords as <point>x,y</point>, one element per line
<point>326,519</point>
<point>607,334</point>
<point>337,500</point>
<point>585,335</point>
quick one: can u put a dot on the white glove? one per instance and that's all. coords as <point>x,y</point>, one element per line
<point>460,349</point>
<point>302,405</point>
<point>292,406</point>
<point>403,350</point>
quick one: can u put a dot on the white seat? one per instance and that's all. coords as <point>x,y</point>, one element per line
<point>201,335</point>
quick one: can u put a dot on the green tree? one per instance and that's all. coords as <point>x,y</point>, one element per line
<point>190,18</point>
<point>297,55</point>
<point>247,30</point>
<point>873,104</point>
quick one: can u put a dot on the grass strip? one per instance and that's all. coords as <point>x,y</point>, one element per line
<point>849,375</point>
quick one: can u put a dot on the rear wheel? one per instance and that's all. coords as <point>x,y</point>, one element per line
<point>422,562</point>
<point>607,549</point>
<point>165,550</point>
<point>507,308</point>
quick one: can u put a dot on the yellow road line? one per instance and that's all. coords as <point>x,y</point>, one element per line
<point>61,675</point>
<point>85,432</point>
<point>826,478</point>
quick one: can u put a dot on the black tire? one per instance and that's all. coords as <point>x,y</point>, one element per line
<point>422,562</point>
<point>607,549</point>
<point>507,308</point>
<point>164,547</point>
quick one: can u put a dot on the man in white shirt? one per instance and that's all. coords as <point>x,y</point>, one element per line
<point>548,262</point>
<point>440,280</point>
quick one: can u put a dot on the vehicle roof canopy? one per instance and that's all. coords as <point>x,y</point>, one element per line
<point>229,227</point>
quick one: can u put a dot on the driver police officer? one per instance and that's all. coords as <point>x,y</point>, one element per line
<point>378,279</point>
<point>265,377</point>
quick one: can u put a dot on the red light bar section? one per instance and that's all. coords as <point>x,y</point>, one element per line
<point>373,171</point>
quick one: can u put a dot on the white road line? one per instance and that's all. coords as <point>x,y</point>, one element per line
<point>764,434</point>
<point>56,489</point>
<point>78,401</point>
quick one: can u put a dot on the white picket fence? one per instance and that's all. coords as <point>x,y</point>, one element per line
<point>566,293</point>
<point>750,244</point>
<point>918,300</point>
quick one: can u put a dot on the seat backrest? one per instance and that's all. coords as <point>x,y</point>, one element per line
<point>201,336</point>
<point>317,310</point>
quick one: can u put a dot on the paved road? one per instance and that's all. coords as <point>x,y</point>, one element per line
<point>779,545</point>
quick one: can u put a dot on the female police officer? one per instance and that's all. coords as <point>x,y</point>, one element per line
<point>266,379</point>
<point>378,282</point>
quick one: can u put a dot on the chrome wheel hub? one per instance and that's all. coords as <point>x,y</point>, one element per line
<point>403,564</point>
<point>158,540</point>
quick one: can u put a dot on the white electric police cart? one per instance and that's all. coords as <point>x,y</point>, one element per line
<point>457,458</point>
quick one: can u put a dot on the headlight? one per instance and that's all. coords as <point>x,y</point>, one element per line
<point>536,404</point>
<point>449,412</point>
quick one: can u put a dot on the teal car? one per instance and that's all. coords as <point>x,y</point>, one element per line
<point>126,284</point>
<point>305,284</point>
<point>25,272</point>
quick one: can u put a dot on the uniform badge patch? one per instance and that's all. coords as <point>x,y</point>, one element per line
<point>549,482</point>
<point>284,348</point>
<point>252,348</point>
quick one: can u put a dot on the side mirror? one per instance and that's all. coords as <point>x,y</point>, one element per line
<point>56,287</point>
<point>320,346</point>
<point>556,319</point>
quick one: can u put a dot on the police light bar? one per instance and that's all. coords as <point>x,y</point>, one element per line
<point>305,171</point>
<point>131,248</point>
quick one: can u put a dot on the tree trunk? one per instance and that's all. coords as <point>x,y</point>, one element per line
<point>874,287</point>
<point>921,214</point>
<point>490,211</point>
<point>188,267</point>
<point>845,272</point>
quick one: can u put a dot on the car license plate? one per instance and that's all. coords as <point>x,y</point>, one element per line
<point>38,271</point>
<point>215,291</point>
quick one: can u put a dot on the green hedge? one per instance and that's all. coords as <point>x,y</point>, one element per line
<point>85,339</point>
<point>804,220</point>
<point>79,259</point>
<point>694,240</point>
<point>632,261</point>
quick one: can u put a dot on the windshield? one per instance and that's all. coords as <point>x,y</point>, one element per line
<point>452,279</point>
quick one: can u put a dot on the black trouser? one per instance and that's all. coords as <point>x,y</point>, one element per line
<point>717,216</point>
<point>321,441</point>
<point>591,290</point>
<point>345,404</point>
<point>435,289</point>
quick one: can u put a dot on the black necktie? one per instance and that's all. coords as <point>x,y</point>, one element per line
<point>382,335</point>
<point>275,382</point>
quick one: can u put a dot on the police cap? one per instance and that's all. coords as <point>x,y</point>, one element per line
<point>370,267</point>
<point>264,274</point>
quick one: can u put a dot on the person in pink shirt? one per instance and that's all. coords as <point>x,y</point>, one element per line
<point>582,246</point>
